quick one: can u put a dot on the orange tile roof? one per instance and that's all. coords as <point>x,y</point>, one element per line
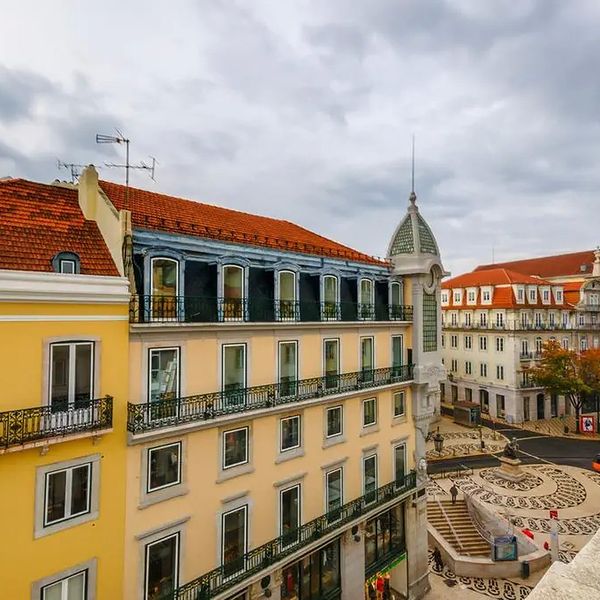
<point>154,211</point>
<point>560,265</point>
<point>37,221</point>
<point>497,276</point>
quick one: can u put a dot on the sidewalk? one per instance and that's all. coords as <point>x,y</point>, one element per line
<point>554,427</point>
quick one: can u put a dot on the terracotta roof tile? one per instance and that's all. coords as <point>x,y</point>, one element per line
<point>37,221</point>
<point>497,276</point>
<point>154,211</point>
<point>560,265</point>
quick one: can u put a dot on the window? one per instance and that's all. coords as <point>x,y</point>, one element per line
<point>468,395</point>
<point>67,266</point>
<point>233,303</point>
<point>162,568</point>
<point>234,373</point>
<point>500,408</point>
<point>443,338</point>
<point>369,412</point>
<point>334,421</point>
<point>457,297</point>
<point>483,370</point>
<point>399,464</point>
<point>289,503</point>
<point>559,296</point>
<point>499,372</point>
<point>331,365</point>
<point>370,478</point>
<point>581,320</point>
<point>483,320</point>
<point>366,309</point>
<point>453,319</point>
<point>551,319</point>
<point>444,297</point>
<point>235,447</point>
<point>442,392</point>
<point>486,295</point>
<point>286,307</point>
<point>71,375</point>
<point>499,344</point>
<point>234,540</point>
<point>532,295</point>
<point>454,341</point>
<point>520,294</point>
<point>288,368</point>
<point>565,343</point>
<point>164,288</point>
<point>499,320</point>
<point>396,294</point>
<point>454,365</point>
<point>538,319</point>
<point>468,342</point>
<point>430,322</point>
<point>524,347</point>
<point>73,587</point>
<point>399,406</point>
<point>546,296</point>
<point>397,355</point>
<point>583,345</point>
<point>290,433</point>
<point>471,296</point>
<point>539,345</point>
<point>483,342</point>
<point>468,368</point>
<point>333,494</point>
<point>164,467</point>
<point>468,319</point>
<point>164,374</point>
<point>366,358</point>
<point>330,297</point>
<point>67,263</point>
<point>454,392</point>
<point>68,493</point>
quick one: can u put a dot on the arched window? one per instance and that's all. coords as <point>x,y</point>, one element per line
<point>286,305</point>
<point>366,299</point>
<point>233,301</point>
<point>164,288</point>
<point>330,308</point>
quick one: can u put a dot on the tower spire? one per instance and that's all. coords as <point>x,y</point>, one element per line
<point>413,196</point>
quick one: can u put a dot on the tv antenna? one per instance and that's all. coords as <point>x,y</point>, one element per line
<point>73,168</point>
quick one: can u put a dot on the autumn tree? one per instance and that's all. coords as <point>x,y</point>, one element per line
<point>568,373</point>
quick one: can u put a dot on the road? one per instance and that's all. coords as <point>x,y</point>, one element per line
<point>533,448</point>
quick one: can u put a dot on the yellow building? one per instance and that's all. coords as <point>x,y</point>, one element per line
<point>281,387</point>
<point>63,350</point>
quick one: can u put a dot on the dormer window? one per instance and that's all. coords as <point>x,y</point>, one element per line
<point>520,295</point>
<point>471,296</point>
<point>457,297</point>
<point>67,263</point>
<point>532,296</point>
<point>486,296</point>
<point>546,296</point>
<point>444,297</point>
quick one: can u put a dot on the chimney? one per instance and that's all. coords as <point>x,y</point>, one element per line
<point>88,192</point>
<point>596,265</point>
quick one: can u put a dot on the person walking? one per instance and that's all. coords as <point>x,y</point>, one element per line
<point>437,560</point>
<point>453,492</point>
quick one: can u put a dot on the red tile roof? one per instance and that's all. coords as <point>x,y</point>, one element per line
<point>150,210</point>
<point>496,276</point>
<point>37,221</point>
<point>560,265</point>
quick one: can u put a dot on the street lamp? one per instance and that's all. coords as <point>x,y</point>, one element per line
<point>438,441</point>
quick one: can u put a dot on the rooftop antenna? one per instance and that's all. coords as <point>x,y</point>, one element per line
<point>73,168</point>
<point>413,166</point>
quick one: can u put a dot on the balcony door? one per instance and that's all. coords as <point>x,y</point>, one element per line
<point>286,305</point>
<point>233,305</point>
<point>366,359</point>
<point>288,368</point>
<point>234,540</point>
<point>163,384</point>
<point>366,308</point>
<point>397,355</point>
<point>164,289</point>
<point>234,374</point>
<point>331,366</point>
<point>330,298</point>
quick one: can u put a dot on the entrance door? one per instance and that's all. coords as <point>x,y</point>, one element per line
<point>484,401</point>
<point>540,406</point>
<point>526,408</point>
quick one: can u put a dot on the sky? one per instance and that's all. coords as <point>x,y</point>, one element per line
<point>305,110</point>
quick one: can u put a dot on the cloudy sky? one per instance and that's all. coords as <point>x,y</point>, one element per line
<point>304,110</point>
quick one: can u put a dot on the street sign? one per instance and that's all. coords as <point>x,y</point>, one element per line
<point>554,514</point>
<point>587,424</point>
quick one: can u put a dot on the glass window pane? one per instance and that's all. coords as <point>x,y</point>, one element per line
<point>399,464</point>
<point>59,386</point>
<point>80,481</point>
<point>334,421</point>
<point>366,291</point>
<point>56,486</point>
<point>234,540</point>
<point>161,568</point>
<point>330,289</point>
<point>164,466</point>
<point>287,362</point>
<point>398,404</point>
<point>235,447</point>
<point>287,286</point>
<point>369,412</point>
<point>234,367</point>
<point>397,351</point>
<point>53,592</point>
<point>331,363</point>
<point>76,587</point>
<point>290,583</point>
<point>290,514</point>
<point>366,354</point>
<point>233,283</point>
<point>330,569</point>
<point>334,490</point>
<point>83,373</point>
<point>370,476</point>
<point>396,294</point>
<point>164,373</point>
<point>164,277</point>
<point>290,433</point>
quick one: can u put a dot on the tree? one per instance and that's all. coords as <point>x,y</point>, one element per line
<point>568,373</point>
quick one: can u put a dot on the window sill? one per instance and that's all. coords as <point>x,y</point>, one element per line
<point>234,472</point>
<point>150,498</point>
<point>289,455</point>
<point>369,430</point>
<point>399,420</point>
<point>333,441</point>
<point>68,524</point>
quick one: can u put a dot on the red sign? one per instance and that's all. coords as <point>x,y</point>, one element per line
<point>587,424</point>
<point>554,514</point>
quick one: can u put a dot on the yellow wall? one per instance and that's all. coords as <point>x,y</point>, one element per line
<point>200,365</point>
<point>24,559</point>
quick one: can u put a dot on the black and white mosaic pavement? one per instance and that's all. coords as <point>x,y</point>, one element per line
<point>529,483</point>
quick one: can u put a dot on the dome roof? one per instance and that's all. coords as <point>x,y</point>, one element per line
<point>413,235</point>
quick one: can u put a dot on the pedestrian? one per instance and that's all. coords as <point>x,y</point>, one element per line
<point>453,492</point>
<point>437,560</point>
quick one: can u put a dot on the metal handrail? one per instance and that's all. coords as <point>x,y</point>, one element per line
<point>169,411</point>
<point>449,523</point>
<point>481,528</point>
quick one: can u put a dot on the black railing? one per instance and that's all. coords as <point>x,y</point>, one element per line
<point>234,572</point>
<point>170,411</point>
<point>197,309</point>
<point>18,427</point>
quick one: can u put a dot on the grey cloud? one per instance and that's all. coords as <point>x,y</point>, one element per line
<point>18,92</point>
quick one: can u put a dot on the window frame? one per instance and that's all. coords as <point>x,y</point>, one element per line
<point>329,409</point>
<point>339,470</point>
<point>224,433</point>
<point>401,415</point>
<point>402,445</point>
<point>90,569</point>
<point>177,275</point>
<point>72,366</point>
<point>372,399</point>
<point>282,491</point>
<point>244,345</point>
<point>295,281</point>
<point>299,444</point>
<point>68,493</point>
<point>159,349</point>
<point>149,451</point>
<point>177,566</point>
<point>245,509</point>
<point>365,458</point>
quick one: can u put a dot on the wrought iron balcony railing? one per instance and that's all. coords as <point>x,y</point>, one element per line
<point>530,355</point>
<point>168,412</point>
<point>231,573</point>
<point>18,427</point>
<point>196,309</point>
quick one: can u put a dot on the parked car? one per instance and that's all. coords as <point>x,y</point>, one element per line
<point>596,463</point>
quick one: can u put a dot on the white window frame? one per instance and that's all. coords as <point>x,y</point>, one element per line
<point>243,508</point>
<point>341,431</point>
<point>339,361</point>
<point>67,261</point>
<point>299,444</point>
<point>177,536</point>
<point>225,467</point>
<point>364,402</point>
<point>68,492</point>
<point>327,475</point>
<point>234,345</point>
<point>72,368</point>
<point>297,486</point>
<point>89,568</point>
<point>396,415</point>
<point>149,451</point>
<point>394,458</point>
<point>364,482</point>
<point>280,343</point>
<point>159,349</point>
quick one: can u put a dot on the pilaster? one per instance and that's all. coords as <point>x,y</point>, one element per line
<point>353,565</point>
<point>417,548</point>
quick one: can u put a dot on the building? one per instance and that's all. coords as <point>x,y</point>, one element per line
<point>281,386</point>
<point>63,407</point>
<point>496,320</point>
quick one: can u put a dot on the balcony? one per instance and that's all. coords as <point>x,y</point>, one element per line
<point>196,309</point>
<point>527,384</point>
<point>169,412</point>
<point>231,574</point>
<point>530,355</point>
<point>29,425</point>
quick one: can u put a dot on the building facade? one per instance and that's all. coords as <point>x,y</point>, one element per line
<point>496,321</point>
<point>64,350</point>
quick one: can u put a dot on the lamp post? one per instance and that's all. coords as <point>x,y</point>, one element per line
<point>438,441</point>
<point>481,442</point>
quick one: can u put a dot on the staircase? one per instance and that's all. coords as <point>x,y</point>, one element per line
<point>471,543</point>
